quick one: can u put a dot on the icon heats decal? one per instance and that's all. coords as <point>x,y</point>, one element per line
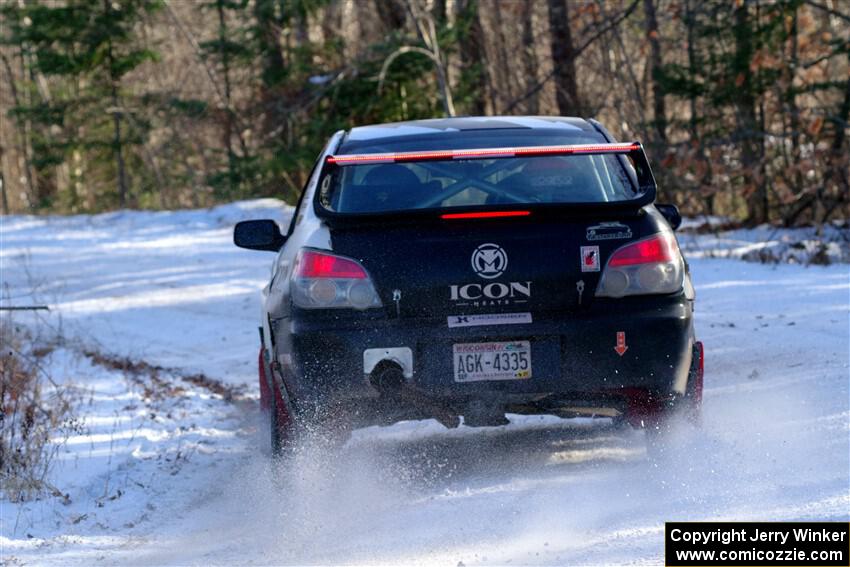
<point>590,258</point>
<point>489,261</point>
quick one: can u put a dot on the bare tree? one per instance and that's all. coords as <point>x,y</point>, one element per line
<point>473,57</point>
<point>564,59</point>
<point>658,108</point>
<point>529,55</point>
<point>426,29</point>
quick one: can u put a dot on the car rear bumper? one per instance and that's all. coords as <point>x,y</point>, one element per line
<point>573,354</point>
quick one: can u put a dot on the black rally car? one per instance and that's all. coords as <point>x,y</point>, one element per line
<point>476,267</point>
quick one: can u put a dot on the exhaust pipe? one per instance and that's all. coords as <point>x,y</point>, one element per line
<point>387,377</point>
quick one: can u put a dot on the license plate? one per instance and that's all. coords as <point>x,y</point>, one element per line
<point>475,362</point>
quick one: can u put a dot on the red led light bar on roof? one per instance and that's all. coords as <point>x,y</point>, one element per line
<point>485,153</point>
<point>485,215</point>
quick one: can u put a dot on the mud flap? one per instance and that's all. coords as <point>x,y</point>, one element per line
<point>282,416</point>
<point>693,393</point>
<point>265,391</point>
<point>664,435</point>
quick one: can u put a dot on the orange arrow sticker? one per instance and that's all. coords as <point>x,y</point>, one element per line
<point>621,347</point>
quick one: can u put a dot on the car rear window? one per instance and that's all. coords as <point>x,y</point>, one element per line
<point>384,187</point>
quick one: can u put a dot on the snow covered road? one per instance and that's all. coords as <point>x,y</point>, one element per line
<point>170,289</point>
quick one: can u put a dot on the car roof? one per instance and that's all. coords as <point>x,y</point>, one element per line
<point>465,123</point>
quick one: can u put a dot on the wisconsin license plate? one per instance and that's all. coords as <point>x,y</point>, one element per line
<point>474,362</point>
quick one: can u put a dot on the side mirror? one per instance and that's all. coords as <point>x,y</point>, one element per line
<point>671,213</point>
<point>258,235</point>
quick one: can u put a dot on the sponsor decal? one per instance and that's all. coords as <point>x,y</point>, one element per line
<point>494,293</point>
<point>551,180</point>
<point>621,347</point>
<point>608,231</point>
<point>489,261</point>
<point>590,258</point>
<point>489,319</point>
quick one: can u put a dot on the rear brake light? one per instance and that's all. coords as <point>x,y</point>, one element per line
<point>653,265</point>
<point>321,280</point>
<point>655,249</point>
<point>485,215</point>
<point>319,265</point>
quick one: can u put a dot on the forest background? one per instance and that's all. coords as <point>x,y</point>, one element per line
<point>160,104</point>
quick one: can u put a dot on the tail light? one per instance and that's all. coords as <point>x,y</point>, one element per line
<point>648,266</point>
<point>325,281</point>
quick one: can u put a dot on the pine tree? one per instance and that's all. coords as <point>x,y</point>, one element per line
<point>82,50</point>
<point>229,50</point>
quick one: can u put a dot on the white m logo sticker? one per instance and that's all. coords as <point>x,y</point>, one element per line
<point>489,261</point>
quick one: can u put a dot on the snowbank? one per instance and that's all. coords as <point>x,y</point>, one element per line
<point>706,238</point>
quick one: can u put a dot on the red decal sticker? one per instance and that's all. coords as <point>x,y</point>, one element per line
<point>621,347</point>
<point>590,258</point>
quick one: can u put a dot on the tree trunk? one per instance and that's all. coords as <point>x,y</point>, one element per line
<point>793,109</point>
<point>790,93</point>
<point>3,197</point>
<point>24,129</point>
<point>117,141</point>
<point>426,28</point>
<point>659,111</point>
<point>745,109</point>
<point>692,66</point>
<point>504,74</point>
<point>473,58</point>
<point>563,59</point>
<point>837,162</point>
<point>706,181</point>
<point>228,110</point>
<point>391,13</point>
<point>439,12</point>
<point>529,57</point>
<point>117,148</point>
<point>274,69</point>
